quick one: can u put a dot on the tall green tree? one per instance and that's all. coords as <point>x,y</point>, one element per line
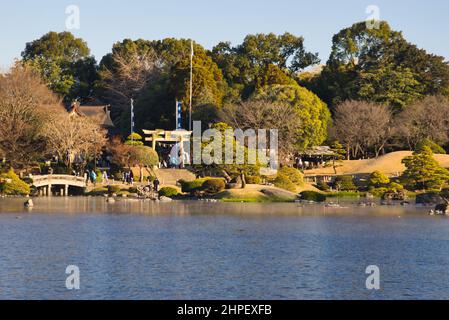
<point>379,65</point>
<point>311,113</point>
<point>156,89</point>
<point>64,63</point>
<point>244,65</point>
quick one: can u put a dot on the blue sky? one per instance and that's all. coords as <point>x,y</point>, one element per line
<point>425,23</point>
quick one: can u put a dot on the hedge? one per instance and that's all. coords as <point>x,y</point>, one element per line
<point>253,180</point>
<point>312,196</point>
<point>293,174</point>
<point>213,186</point>
<point>191,186</point>
<point>168,192</point>
<point>16,187</point>
<point>282,181</point>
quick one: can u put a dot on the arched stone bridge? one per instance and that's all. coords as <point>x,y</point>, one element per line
<point>45,183</point>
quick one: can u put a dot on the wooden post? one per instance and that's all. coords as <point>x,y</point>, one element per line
<point>153,143</point>
<point>66,190</point>
<point>49,190</point>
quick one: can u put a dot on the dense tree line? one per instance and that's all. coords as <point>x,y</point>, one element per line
<point>383,92</point>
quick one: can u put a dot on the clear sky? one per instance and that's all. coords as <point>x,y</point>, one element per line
<point>425,23</point>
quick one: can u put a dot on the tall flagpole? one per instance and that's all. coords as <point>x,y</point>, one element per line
<point>191,85</point>
<point>132,118</point>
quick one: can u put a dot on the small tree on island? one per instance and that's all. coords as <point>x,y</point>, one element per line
<point>219,167</point>
<point>340,154</point>
<point>378,179</point>
<point>423,171</point>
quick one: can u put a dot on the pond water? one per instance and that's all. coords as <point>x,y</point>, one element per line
<point>194,250</point>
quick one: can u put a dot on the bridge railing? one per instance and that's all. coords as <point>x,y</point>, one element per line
<point>58,178</point>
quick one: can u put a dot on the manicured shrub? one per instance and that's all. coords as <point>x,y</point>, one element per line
<point>345,183</point>
<point>132,190</point>
<point>312,196</point>
<point>323,186</point>
<point>253,180</point>
<point>134,139</point>
<point>113,189</point>
<point>98,192</point>
<point>394,186</point>
<point>191,186</point>
<point>282,181</point>
<point>168,192</point>
<point>213,186</point>
<point>295,176</point>
<point>10,184</point>
<point>378,179</point>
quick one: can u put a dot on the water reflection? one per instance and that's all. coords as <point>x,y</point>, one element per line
<point>195,250</point>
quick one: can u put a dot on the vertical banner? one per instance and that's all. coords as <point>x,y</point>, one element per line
<point>132,116</point>
<point>178,115</point>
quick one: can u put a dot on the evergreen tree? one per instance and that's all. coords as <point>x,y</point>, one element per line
<point>423,171</point>
<point>378,179</point>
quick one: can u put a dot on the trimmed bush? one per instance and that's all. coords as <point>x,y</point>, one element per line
<point>132,190</point>
<point>12,185</point>
<point>394,186</point>
<point>98,192</point>
<point>168,192</point>
<point>295,176</point>
<point>113,189</point>
<point>378,179</point>
<point>345,183</point>
<point>191,186</point>
<point>134,139</point>
<point>253,180</point>
<point>323,186</point>
<point>312,196</point>
<point>213,186</point>
<point>282,181</point>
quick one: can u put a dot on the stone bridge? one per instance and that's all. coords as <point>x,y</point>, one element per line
<point>46,183</point>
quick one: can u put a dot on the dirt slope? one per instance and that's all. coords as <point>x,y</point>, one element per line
<point>390,164</point>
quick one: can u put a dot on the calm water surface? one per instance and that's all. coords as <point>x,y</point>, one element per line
<point>194,250</point>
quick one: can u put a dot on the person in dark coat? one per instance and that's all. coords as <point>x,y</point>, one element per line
<point>156,184</point>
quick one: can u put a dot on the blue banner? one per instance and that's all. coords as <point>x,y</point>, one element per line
<point>179,115</point>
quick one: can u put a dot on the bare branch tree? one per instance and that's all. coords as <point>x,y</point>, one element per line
<point>264,114</point>
<point>425,119</point>
<point>363,127</point>
<point>71,136</point>
<point>25,103</point>
<point>129,75</point>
